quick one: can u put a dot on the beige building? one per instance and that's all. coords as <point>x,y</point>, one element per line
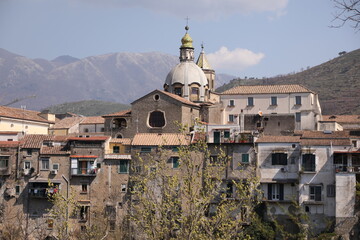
<point>25,121</point>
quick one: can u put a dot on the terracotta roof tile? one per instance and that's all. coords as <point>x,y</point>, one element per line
<point>55,150</point>
<point>8,133</point>
<point>279,139</point>
<point>22,114</point>
<point>342,118</point>
<point>266,89</point>
<point>93,120</point>
<point>125,113</point>
<point>325,142</point>
<point>67,122</point>
<point>164,139</point>
<point>179,98</point>
<point>11,144</point>
<point>325,134</point>
<point>34,140</point>
<point>125,141</point>
<point>91,138</point>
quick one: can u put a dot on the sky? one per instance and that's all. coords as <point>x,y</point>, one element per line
<point>253,38</point>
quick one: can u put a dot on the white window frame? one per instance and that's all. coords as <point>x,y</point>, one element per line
<point>29,162</point>
<point>275,192</point>
<point>41,165</point>
<point>231,118</point>
<point>231,103</point>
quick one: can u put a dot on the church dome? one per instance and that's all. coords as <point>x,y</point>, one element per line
<point>186,73</point>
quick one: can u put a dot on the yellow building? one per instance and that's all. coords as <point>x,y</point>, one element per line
<point>26,121</point>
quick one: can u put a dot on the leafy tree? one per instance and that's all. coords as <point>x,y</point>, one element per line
<point>191,201</point>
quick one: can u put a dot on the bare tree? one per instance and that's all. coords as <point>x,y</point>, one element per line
<point>347,11</point>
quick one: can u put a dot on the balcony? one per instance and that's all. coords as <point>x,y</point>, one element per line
<point>42,189</point>
<point>117,155</point>
<point>83,171</point>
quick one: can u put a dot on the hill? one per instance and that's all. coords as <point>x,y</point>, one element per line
<point>337,82</point>
<point>88,108</point>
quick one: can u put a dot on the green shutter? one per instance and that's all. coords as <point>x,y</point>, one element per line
<point>245,158</point>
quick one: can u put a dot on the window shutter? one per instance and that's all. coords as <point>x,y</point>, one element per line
<point>281,187</point>
<point>269,191</point>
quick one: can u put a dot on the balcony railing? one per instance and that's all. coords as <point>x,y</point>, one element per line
<point>41,192</point>
<point>83,171</point>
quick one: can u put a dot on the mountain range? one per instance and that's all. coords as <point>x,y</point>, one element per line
<point>113,77</point>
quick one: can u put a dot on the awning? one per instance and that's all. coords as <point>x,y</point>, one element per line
<point>43,180</point>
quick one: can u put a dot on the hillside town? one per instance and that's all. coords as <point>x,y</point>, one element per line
<point>303,162</point>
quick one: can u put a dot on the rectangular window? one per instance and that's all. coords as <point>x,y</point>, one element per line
<point>308,162</point>
<point>275,191</point>
<point>231,103</point>
<point>315,193</point>
<point>116,149</point>
<point>273,101</point>
<point>84,188</point>
<point>250,101</point>
<point>298,100</point>
<point>84,213</point>
<point>229,190</point>
<point>28,152</point>
<point>231,118</point>
<point>145,149</point>
<point>45,163</point>
<point>27,165</point>
<point>55,166</point>
<point>354,143</point>
<point>226,134</point>
<point>175,162</point>
<point>298,117</point>
<point>330,190</point>
<point>4,161</point>
<point>17,190</point>
<point>279,159</point>
<point>124,166</point>
<point>245,158</point>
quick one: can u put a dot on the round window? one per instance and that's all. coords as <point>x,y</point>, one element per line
<point>156,97</point>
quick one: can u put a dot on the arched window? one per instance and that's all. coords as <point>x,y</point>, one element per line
<point>157,119</point>
<point>194,94</point>
<point>178,91</point>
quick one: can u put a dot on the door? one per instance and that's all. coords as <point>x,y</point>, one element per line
<point>216,137</point>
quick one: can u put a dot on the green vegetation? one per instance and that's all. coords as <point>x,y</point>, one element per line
<point>337,82</point>
<point>88,107</point>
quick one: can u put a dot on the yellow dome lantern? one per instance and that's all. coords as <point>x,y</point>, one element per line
<point>186,40</point>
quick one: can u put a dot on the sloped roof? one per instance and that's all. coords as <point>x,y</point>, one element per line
<point>125,141</point>
<point>34,140</point>
<point>266,89</point>
<point>125,113</point>
<point>341,118</point>
<point>278,139</point>
<point>9,144</point>
<point>18,113</point>
<point>325,134</point>
<point>91,138</point>
<point>163,139</point>
<point>8,133</point>
<point>171,95</point>
<point>325,142</point>
<point>92,120</point>
<point>202,61</point>
<point>55,150</point>
<point>67,122</point>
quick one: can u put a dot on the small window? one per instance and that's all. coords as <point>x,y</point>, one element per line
<point>175,162</point>
<point>4,161</point>
<point>231,118</point>
<point>86,130</point>
<point>84,213</point>
<point>124,166</point>
<point>226,134</point>
<point>175,149</point>
<point>298,117</point>
<point>28,152</point>
<point>156,97</point>
<point>145,149</point>
<point>231,103</point>
<point>279,159</point>
<point>157,119</point>
<point>123,187</point>
<point>27,165</point>
<point>330,190</point>
<point>55,166</point>
<point>102,129</point>
<point>45,163</point>
<point>354,143</point>
<point>250,101</point>
<point>308,163</point>
<point>275,191</point>
<point>245,158</point>
<point>17,190</point>
<point>298,100</point>
<point>273,101</point>
<point>178,91</point>
<point>84,188</point>
<point>116,149</point>
<point>229,190</point>
<point>315,193</point>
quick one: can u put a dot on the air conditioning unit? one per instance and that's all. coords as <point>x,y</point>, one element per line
<point>53,171</point>
<point>26,171</point>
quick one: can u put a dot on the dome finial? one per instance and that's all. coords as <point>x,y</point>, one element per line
<point>187,24</point>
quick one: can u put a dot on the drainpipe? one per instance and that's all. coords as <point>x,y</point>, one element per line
<point>67,197</point>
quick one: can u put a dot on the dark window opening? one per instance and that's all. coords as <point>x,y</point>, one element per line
<point>315,193</point>
<point>178,91</point>
<point>157,119</point>
<point>279,159</point>
<point>308,163</point>
<point>298,100</point>
<point>116,149</point>
<point>275,191</point>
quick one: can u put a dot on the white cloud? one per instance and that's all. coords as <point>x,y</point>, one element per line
<point>200,9</point>
<point>235,60</point>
